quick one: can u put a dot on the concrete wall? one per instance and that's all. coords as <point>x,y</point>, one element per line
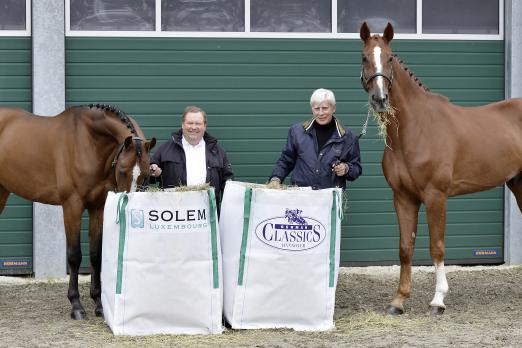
<point>513,34</point>
<point>49,259</point>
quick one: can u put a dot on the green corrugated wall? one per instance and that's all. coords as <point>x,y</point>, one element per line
<point>254,89</point>
<point>16,224</point>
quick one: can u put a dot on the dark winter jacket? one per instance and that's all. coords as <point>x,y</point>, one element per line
<point>170,157</point>
<point>311,166</point>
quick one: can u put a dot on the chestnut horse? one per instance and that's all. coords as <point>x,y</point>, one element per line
<point>73,160</point>
<point>435,150</point>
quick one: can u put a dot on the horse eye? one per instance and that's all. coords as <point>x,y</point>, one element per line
<point>364,59</point>
<point>390,60</point>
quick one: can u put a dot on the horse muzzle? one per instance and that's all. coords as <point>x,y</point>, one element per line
<point>379,101</point>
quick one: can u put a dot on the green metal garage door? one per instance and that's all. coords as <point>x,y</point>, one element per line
<point>254,89</point>
<point>16,221</point>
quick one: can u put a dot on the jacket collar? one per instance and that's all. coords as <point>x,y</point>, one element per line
<point>209,139</point>
<point>308,124</point>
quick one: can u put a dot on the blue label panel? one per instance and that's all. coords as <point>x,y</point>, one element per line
<point>16,263</point>
<point>485,252</point>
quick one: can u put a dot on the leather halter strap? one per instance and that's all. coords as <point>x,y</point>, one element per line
<point>365,81</point>
<point>120,150</point>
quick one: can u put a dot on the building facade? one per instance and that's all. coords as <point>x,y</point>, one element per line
<point>252,65</point>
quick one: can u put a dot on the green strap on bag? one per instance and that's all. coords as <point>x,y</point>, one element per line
<point>213,237</point>
<point>121,219</point>
<point>333,236</point>
<point>246,222</point>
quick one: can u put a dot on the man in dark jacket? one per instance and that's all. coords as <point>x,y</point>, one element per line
<point>320,153</point>
<point>192,156</point>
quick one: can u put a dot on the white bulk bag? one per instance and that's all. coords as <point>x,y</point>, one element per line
<point>280,256</point>
<point>161,263</point>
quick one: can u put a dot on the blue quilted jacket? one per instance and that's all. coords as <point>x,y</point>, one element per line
<point>311,166</point>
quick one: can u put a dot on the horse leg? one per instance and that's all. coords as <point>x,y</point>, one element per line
<point>72,212</point>
<point>407,209</point>
<point>436,213</point>
<point>95,248</point>
<point>515,185</point>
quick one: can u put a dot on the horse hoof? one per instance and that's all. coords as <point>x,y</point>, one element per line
<point>78,314</point>
<point>437,310</point>
<point>392,310</point>
<point>98,312</point>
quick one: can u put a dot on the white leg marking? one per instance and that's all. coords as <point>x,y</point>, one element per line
<point>441,289</point>
<point>378,67</point>
<point>135,175</point>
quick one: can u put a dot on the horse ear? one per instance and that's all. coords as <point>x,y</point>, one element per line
<point>365,31</point>
<point>388,33</point>
<point>127,142</point>
<point>150,144</point>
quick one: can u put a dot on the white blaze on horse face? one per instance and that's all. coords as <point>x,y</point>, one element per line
<point>441,289</point>
<point>378,69</point>
<point>135,175</point>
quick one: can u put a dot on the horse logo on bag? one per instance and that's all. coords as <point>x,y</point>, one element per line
<point>291,232</point>
<point>294,216</point>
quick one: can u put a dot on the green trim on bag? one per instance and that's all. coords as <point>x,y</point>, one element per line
<point>213,236</point>
<point>333,227</point>
<point>246,223</point>
<point>121,218</point>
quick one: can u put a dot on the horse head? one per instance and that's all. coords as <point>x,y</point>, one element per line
<point>130,160</point>
<point>377,66</point>
<point>131,163</point>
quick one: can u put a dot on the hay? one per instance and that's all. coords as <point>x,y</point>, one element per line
<point>284,187</point>
<point>367,321</point>
<point>200,187</point>
<point>385,119</point>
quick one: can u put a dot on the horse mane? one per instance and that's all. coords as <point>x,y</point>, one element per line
<point>412,75</point>
<point>415,79</point>
<point>124,118</point>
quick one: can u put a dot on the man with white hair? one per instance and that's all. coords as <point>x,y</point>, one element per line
<point>320,152</point>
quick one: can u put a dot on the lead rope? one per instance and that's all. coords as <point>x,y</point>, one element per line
<point>365,125</point>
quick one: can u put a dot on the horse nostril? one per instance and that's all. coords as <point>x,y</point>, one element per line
<point>380,99</point>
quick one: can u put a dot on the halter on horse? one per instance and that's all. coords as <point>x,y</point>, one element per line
<point>73,160</point>
<point>436,150</point>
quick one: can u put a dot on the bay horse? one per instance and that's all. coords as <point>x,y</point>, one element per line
<point>73,160</point>
<point>434,150</point>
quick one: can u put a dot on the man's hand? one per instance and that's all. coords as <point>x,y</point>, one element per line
<point>275,183</point>
<point>155,171</point>
<point>340,168</point>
